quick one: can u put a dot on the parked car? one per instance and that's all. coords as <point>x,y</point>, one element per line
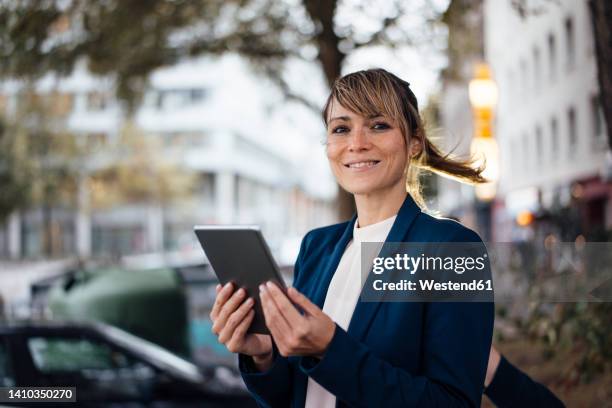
<point>111,368</point>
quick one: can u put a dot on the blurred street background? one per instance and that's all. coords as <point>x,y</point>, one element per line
<point>125,123</point>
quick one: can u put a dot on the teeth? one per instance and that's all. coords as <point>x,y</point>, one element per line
<point>362,164</point>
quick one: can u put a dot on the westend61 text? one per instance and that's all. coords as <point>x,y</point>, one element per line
<point>432,285</point>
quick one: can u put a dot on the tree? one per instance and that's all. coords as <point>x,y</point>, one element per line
<point>601,19</point>
<point>139,172</point>
<point>130,38</point>
<point>42,165</point>
<point>39,160</point>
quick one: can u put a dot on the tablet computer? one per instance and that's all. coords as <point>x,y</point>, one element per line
<point>239,254</point>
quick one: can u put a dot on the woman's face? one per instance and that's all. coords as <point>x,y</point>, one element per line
<point>367,155</point>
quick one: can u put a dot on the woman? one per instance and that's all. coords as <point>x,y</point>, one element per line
<point>338,350</point>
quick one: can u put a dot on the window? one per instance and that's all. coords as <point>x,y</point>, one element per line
<point>552,57</point>
<point>539,148</point>
<point>7,378</point>
<point>108,371</point>
<point>570,43</point>
<point>571,130</point>
<point>196,95</point>
<point>524,77</point>
<point>96,101</point>
<point>73,354</point>
<point>554,138</point>
<point>176,98</point>
<point>597,118</point>
<point>536,68</point>
<point>526,162</point>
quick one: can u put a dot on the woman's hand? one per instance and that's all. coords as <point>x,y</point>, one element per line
<point>232,315</point>
<point>294,333</point>
<point>494,359</point>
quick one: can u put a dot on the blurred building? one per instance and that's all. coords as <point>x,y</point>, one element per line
<point>211,117</point>
<point>548,122</point>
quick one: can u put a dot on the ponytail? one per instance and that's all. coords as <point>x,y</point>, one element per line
<point>431,158</point>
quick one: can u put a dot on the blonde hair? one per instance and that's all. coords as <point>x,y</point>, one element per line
<point>376,91</point>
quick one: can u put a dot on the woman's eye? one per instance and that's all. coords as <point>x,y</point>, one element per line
<point>380,126</point>
<point>339,129</point>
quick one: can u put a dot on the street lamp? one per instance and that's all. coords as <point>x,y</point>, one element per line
<point>483,98</point>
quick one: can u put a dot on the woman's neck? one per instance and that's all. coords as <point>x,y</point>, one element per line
<point>375,207</point>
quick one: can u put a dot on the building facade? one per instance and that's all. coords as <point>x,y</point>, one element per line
<point>554,157</point>
<point>208,117</point>
<point>549,123</point>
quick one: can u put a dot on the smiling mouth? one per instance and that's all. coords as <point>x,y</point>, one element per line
<point>362,164</point>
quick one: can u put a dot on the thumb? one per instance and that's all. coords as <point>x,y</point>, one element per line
<point>303,302</point>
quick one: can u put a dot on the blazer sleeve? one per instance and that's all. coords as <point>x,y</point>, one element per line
<point>456,343</point>
<point>272,388</point>
<point>513,388</point>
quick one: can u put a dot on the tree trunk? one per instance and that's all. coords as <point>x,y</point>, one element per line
<point>601,18</point>
<point>331,58</point>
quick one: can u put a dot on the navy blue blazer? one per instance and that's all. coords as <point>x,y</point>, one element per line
<point>394,354</point>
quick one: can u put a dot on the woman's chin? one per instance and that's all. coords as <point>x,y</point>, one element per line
<point>361,188</point>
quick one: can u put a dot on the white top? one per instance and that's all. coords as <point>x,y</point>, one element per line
<point>343,293</point>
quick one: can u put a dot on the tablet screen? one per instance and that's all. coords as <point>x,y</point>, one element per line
<point>239,254</point>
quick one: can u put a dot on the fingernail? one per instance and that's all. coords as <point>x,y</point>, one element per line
<point>262,288</point>
<point>241,292</point>
<point>227,285</point>
<point>270,284</point>
<point>249,301</point>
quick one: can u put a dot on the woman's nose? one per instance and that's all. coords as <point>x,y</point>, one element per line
<point>359,139</point>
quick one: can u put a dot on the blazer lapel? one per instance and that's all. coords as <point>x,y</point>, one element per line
<point>365,311</point>
<point>332,264</point>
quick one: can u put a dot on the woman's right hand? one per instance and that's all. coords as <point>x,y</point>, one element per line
<point>232,315</point>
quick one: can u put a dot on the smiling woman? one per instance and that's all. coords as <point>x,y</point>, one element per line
<point>329,348</point>
<point>378,109</point>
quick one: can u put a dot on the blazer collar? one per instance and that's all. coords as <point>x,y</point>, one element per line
<point>364,311</point>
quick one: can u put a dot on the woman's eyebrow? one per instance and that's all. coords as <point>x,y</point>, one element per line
<point>345,118</point>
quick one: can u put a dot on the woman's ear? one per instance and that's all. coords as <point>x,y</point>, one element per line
<point>415,147</point>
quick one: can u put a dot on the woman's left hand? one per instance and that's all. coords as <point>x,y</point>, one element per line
<point>295,334</point>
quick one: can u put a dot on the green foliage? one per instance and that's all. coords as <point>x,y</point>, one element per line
<point>578,329</point>
<point>39,161</point>
<point>13,172</point>
<point>142,170</point>
<point>129,39</point>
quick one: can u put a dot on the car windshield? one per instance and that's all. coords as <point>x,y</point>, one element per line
<point>154,353</point>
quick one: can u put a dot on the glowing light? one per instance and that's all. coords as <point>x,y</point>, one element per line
<point>525,218</point>
<point>486,151</point>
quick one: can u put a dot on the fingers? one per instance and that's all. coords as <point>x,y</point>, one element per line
<point>222,295</point>
<point>227,309</point>
<point>274,318</point>
<point>234,320</point>
<point>286,308</point>
<point>237,339</point>
<point>303,302</point>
